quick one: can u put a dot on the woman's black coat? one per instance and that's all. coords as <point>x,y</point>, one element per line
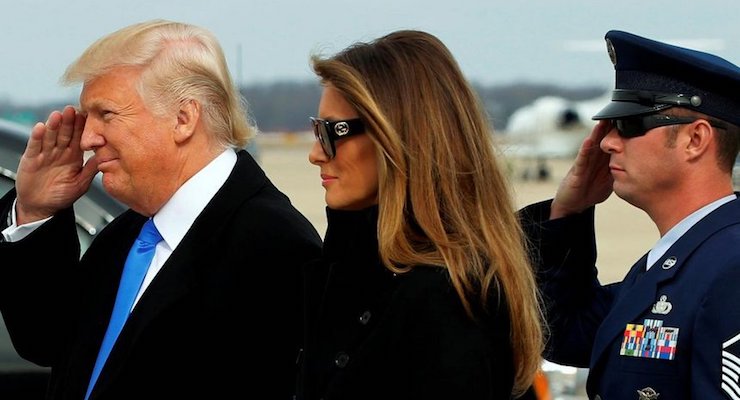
<point>373,334</point>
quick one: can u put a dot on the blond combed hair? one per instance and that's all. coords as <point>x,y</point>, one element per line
<point>444,199</point>
<point>179,63</point>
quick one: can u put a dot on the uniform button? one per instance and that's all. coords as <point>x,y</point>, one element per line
<point>341,359</point>
<point>365,317</point>
<point>597,397</point>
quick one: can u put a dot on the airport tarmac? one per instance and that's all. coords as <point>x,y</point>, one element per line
<point>624,233</point>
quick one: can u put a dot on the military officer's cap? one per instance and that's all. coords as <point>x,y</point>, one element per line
<point>652,76</point>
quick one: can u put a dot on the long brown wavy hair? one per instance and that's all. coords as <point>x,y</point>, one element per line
<point>444,199</point>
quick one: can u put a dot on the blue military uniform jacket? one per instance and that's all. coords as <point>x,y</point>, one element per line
<point>672,332</point>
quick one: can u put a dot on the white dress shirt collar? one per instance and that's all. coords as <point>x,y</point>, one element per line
<point>682,227</point>
<point>179,213</point>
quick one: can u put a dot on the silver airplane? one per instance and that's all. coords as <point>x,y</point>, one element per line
<point>548,128</point>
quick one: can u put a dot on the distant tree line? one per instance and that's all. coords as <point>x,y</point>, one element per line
<point>286,105</point>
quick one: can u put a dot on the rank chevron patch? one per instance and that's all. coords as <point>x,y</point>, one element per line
<point>731,368</point>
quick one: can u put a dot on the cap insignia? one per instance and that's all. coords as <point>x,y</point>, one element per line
<point>611,51</point>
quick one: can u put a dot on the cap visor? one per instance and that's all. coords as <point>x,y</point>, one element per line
<point>621,109</point>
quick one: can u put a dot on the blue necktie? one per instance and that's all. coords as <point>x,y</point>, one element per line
<point>137,263</point>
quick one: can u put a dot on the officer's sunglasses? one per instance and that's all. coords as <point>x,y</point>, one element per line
<point>328,132</point>
<point>631,127</point>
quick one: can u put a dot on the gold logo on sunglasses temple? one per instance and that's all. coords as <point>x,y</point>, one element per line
<point>341,128</point>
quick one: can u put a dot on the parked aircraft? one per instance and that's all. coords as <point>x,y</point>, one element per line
<point>550,127</point>
<point>553,127</point>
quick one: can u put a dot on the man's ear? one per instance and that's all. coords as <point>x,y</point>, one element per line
<point>700,132</point>
<point>188,116</point>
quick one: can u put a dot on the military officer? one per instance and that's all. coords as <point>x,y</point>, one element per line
<point>666,143</point>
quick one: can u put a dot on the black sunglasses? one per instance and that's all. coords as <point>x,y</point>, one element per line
<point>631,127</point>
<point>328,132</point>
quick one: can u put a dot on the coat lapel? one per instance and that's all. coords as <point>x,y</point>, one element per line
<point>632,302</point>
<point>179,275</point>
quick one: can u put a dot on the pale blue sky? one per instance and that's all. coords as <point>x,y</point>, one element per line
<point>495,41</point>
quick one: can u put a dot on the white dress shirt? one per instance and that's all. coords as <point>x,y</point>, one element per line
<point>176,217</point>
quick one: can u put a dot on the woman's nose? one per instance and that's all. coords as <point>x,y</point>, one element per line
<point>317,155</point>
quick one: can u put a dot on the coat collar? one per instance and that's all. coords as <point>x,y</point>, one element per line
<point>351,235</point>
<point>203,237</point>
<point>178,275</point>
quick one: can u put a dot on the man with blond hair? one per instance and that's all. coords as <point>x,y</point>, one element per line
<point>206,303</point>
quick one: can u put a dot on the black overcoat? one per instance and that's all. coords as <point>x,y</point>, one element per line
<point>373,334</point>
<point>222,319</point>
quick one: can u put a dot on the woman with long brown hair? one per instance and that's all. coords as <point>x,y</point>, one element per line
<point>424,290</point>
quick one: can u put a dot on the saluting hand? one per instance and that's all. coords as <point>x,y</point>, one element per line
<point>51,173</point>
<point>589,180</point>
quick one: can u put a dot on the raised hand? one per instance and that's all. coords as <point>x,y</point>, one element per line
<point>589,180</point>
<point>52,174</point>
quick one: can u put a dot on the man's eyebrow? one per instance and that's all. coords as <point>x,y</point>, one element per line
<point>93,105</point>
